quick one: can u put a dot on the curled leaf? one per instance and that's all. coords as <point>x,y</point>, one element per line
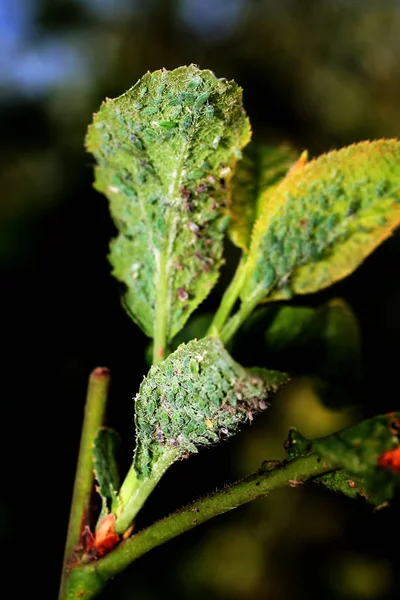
<point>323,220</point>
<point>196,397</point>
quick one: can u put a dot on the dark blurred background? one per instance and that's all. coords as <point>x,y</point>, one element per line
<point>317,74</point>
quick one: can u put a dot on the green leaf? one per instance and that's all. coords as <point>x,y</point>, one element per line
<point>322,342</point>
<point>291,326</point>
<point>197,396</point>
<point>166,151</point>
<point>261,168</point>
<point>367,454</point>
<point>323,220</point>
<point>106,447</point>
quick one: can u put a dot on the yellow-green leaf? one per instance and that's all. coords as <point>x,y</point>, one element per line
<point>261,168</point>
<point>323,220</point>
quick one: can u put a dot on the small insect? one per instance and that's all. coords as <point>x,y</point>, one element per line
<point>193,227</point>
<point>182,294</point>
<point>222,431</point>
<point>194,83</point>
<point>201,99</point>
<point>149,111</point>
<point>185,193</point>
<point>201,188</point>
<point>209,110</point>
<point>158,435</point>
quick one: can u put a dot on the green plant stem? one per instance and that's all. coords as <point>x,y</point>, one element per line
<point>246,308</point>
<point>86,582</point>
<point>161,321</point>
<point>134,492</point>
<point>229,298</point>
<point>95,406</point>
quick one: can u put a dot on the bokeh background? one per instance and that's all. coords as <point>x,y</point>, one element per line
<point>316,74</point>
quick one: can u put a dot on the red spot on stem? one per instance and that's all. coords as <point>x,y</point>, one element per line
<point>101,372</point>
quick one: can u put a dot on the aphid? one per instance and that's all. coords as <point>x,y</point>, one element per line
<point>184,192</point>
<point>158,435</point>
<point>150,134</point>
<point>202,188</point>
<point>143,91</point>
<point>168,124</point>
<point>150,111</point>
<point>201,99</point>
<point>194,367</point>
<point>194,83</point>
<point>209,110</point>
<point>187,122</point>
<point>222,431</point>
<point>193,227</point>
<point>136,142</point>
<point>182,294</point>
<point>195,174</point>
<point>173,442</point>
<point>155,101</point>
<point>174,101</point>
<point>188,97</point>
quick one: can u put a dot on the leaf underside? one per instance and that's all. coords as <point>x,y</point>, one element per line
<point>166,151</point>
<point>323,220</point>
<point>197,396</point>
